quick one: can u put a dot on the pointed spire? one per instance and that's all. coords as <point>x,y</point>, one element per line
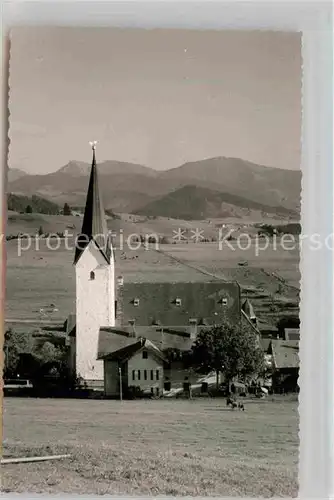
<point>94,226</point>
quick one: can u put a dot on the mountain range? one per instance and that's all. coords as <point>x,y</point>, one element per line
<point>214,187</point>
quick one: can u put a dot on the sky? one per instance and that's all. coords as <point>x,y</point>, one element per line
<point>159,98</point>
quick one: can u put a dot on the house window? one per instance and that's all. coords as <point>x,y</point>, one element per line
<point>133,374</point>
<point>136,302</point>
<point>145,355</point>
<point>138,374</point>
<point>92,275</point>
<point>152,376</point>
<point>145,374</point>
<point>178,301</point>
<point>157,374</point>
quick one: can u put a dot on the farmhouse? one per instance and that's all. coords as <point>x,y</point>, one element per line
<point>285,364</point>
<point>123,332</point>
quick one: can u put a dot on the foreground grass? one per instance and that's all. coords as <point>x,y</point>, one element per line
<point>152,447</point>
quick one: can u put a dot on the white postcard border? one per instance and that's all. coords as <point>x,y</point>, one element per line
<point>314,19</point>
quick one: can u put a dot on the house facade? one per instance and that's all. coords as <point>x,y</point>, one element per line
<point>285,365</point>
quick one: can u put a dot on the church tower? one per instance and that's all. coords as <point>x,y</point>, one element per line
<point>95,283</point>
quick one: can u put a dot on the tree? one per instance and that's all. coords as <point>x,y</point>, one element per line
<point>15,344</point>
<point>48,352</point>
<point>40,231</point>
<point>67,210</point>
<point>28,209</point>
<point>230,349</point>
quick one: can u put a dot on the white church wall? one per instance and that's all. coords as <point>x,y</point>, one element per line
<point>95,307</point>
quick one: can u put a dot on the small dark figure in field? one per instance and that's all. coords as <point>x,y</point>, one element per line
<point>241,406</point>
<point>233,403</point>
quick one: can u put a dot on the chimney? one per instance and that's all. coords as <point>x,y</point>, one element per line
<point>132,324</point>
<point>193,328</point>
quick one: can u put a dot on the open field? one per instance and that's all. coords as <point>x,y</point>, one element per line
<point>178,447</point>
<point>41,276</point>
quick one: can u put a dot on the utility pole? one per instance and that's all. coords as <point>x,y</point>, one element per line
<point>120,384</point>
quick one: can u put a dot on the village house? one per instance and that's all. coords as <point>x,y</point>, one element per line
<point>285,364</point>
<point>121,333</point>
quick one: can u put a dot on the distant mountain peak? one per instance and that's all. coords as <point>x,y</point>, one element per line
<point>75,168</point>
<point>129,187</point>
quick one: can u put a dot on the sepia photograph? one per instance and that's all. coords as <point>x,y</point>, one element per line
<point>153,246</point>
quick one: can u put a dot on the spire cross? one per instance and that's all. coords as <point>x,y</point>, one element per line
<point>93,145</point>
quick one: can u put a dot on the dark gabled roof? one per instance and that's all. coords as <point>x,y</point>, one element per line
<point>285,353</point>
<point>128,351</point>
<point>94,226</point>
<point>112,339</point>
<point>157,302</point>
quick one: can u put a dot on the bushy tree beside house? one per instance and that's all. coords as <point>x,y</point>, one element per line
<point>15,343</point>
<point>23,355</point>
<point>228,349</point>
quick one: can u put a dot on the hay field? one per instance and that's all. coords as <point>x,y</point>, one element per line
<point>39,276</point>
<point>196,447</point>
<point>224,262</point>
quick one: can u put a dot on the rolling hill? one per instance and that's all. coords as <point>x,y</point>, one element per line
<point>19,203</point>
<point>196,203</point>
<point>129,187</point>
<point>267,185</point>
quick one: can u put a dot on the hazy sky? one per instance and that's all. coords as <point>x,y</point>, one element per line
<point>158,98</point>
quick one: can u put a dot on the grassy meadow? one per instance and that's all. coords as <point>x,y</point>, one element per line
<point>196,447</point>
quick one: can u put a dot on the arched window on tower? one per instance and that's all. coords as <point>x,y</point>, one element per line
<point>92,275</point>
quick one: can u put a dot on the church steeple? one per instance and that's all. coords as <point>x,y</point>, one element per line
<point>94,226</point>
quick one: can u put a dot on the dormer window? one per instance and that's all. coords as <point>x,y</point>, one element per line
<point>92,275</point>
<point>136,302</point>
<point>223,301</point>
<point>178,301</point>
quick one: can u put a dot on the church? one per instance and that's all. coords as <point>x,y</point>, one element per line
<point>121,331</point>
